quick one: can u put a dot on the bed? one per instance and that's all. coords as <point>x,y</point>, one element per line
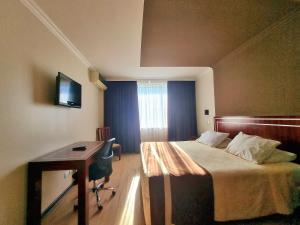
<point>190,183</point>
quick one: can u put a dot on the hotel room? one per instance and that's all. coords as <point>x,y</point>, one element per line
<point>150,112</point>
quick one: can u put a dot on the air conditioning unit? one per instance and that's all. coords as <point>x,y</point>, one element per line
<point>97,79</point>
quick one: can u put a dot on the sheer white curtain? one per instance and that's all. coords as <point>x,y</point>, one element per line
<point>152,96</point>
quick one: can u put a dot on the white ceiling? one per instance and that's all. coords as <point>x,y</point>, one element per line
<point>108,33</point>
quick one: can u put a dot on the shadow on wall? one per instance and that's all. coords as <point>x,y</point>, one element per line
<point>44,86</point>
<point>13,194</point>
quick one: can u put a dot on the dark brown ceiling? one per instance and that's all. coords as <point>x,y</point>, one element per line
<point>201,32</point>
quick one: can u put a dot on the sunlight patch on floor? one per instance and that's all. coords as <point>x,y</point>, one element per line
<point>127,217</point>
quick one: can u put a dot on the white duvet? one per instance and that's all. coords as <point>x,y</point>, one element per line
<point>244,190</point>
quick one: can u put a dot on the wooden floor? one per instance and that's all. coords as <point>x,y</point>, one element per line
<point>125,208</point>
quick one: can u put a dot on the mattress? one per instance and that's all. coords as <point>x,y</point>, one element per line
<point>241,189</point>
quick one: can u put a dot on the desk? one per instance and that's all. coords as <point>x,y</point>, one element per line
<point>61,159</point>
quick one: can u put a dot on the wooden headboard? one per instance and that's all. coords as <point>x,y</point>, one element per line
<point>282,128</point>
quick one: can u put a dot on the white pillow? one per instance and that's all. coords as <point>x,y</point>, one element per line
<point>281,156</point>
<point>212,138</point>
<point>252,148</point>
<point>234,146</point>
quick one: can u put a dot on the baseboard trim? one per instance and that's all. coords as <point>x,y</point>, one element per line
<point>50,207</point>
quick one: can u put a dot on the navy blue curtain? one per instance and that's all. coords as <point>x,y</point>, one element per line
<point>182,123</point>
<point>121,114</point>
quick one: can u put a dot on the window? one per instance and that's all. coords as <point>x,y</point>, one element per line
<point>152,98</point>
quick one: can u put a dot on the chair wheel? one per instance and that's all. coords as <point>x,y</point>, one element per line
<point>113,193</point>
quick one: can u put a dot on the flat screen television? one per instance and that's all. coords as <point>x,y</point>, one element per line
<point>68,91</point>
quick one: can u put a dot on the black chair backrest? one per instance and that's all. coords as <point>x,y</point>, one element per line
<point>106,150</point>
<point>103,165</point>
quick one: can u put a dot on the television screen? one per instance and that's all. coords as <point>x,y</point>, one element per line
<point>68,91</point>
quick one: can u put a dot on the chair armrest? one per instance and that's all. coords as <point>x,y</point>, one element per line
<point>108,157</point>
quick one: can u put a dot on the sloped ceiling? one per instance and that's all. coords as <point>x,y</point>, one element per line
<point>201,32</point>
<point>109,33</point>
<point>160,39</point>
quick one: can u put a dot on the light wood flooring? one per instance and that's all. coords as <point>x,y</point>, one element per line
<point>126,207</point>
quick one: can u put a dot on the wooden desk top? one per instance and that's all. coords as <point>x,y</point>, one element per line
<point>67,154</point>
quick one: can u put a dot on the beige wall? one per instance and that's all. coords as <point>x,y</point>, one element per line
<point>262,77</point>
<point>31,125</point>
<point>205,99</point>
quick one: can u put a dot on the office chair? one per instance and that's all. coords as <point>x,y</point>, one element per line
<point>103,134</point>
<point>102,168</point>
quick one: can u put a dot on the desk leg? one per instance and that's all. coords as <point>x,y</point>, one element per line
<point>83,198</point>
<point>34,196</point>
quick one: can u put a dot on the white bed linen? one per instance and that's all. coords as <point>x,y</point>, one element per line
<point>244,190</point>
